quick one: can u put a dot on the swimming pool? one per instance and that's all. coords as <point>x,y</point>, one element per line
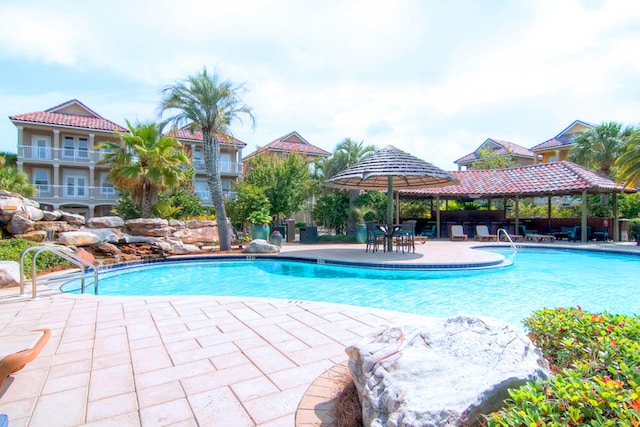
<point>539,278</point>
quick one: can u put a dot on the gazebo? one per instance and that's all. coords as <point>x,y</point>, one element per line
<point>539,180</point>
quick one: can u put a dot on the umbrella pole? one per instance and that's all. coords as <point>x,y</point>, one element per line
<point>390,211</point>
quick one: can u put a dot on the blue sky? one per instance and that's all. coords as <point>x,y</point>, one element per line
<point>434,78</point>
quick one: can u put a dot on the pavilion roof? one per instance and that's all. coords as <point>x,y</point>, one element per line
<point>542,179</point>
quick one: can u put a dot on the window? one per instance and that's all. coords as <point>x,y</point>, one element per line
<point>41,148</point>
<point>225,162</point>
<point>106,189</point>
<point>41,182</point>
<point>75,185</point>
<point>202,190</point>
<point>74,148</point>
<point>197,161</point>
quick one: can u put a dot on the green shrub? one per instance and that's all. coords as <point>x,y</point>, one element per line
<point>11,249</point>
<point>596,358</point>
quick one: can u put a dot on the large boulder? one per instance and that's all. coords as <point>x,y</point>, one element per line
<point>197,235</point>
<point>260,246</point>
<point>33,236</point>
<point>110,235</point>
<point>19,224</point>
<point>446,372</point>
<point>105,222</point>
<point>73,219</point>
<point>151,227</point>
<point>33,213</point>
<point>78,238</point>
<point>54,226</point>
<point>51,215</point>
<point>9,273</point>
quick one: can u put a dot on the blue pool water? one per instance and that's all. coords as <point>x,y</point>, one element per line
<point>538,278</point>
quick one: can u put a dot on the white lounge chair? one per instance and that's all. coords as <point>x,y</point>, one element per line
<point>457,233</point>
<point>482,233</point>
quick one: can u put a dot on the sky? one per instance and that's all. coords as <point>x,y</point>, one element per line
<point>434,78</point>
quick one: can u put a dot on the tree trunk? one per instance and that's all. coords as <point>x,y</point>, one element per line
<point>146,206</point>
<point>214,181</point>
<point>351,221</point>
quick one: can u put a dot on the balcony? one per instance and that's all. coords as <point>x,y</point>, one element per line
<point>230,168</point>
<point>30,153</point>
<point>66,192</point>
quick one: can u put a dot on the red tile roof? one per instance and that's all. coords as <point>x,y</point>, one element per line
<point>541,179</point>
<point>291,142</point>
<point>185,134</point>
<point>53,117</point>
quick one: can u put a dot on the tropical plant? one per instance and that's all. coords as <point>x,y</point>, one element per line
<point>145,164</point>
<point>249,198</point>
<point>285,181</point>
<point>14,180</point>
<point>629,161</point>
<point>204,102</point>
<point>493,159</point>
<point>260,217</point>
<point>599,147</point>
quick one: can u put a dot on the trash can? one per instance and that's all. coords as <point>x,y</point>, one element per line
<point>308,234</point>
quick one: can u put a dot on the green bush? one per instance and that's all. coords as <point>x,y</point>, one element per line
<point>11,249</point>
<point>596,360</point>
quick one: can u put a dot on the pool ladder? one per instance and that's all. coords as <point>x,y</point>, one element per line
<point>506,234</point>
<point>63,252</point>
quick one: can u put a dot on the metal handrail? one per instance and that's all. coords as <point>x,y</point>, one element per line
<point>513,245</point>
<point>64,253</point>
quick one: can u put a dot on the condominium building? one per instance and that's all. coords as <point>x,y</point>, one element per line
<point>57,150</point>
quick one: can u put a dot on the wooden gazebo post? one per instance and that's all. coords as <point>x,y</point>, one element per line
<point>583,223</point>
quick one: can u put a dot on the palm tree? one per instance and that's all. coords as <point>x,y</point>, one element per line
<point>347,153</point>
<point>145,164</point>
<point>14,180</point>
<point>629,162</point>
<point>203,102</point>
<point>599,147</point>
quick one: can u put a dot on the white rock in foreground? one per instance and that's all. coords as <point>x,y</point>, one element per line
<point>446,372</point>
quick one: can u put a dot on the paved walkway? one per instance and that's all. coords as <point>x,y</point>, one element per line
<point>188,361</point>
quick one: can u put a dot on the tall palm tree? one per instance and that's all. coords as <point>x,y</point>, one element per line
<point>598,148</point>
<point>347,153</point>
<point>145,163</point>
<point>203,102</point>
<point>629,161</point>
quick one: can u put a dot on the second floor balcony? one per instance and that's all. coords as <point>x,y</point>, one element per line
<point>75,192</point>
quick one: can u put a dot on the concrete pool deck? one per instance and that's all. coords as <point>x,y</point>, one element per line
<point>187,361</point>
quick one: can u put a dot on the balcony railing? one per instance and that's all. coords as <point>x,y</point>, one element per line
<point>67,192</point>
<point>28,152</point>
<point>225,167</point>
<point>205,196</point>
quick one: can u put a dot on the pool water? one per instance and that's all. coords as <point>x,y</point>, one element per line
<point>538,278</point>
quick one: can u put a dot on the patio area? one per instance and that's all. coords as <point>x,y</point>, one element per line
<point>186,361</point>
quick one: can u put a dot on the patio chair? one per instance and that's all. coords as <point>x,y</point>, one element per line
<point>482,234</point>
<point>429,231</point>
<point>375,237</point>
<point>406,235</point>
<point>18,350</point>
<point>457,233</point>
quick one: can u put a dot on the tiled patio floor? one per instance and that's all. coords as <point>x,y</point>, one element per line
<point>184,361</point>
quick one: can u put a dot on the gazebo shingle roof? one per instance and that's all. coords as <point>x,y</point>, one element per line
<point>543,179</point>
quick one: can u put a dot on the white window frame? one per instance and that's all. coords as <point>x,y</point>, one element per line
<point>76,176</point>
<point>46,184</point>
<point>41,151</point>
<point>201,189</point>
<point>106,188</point>
<point>75,148</point>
